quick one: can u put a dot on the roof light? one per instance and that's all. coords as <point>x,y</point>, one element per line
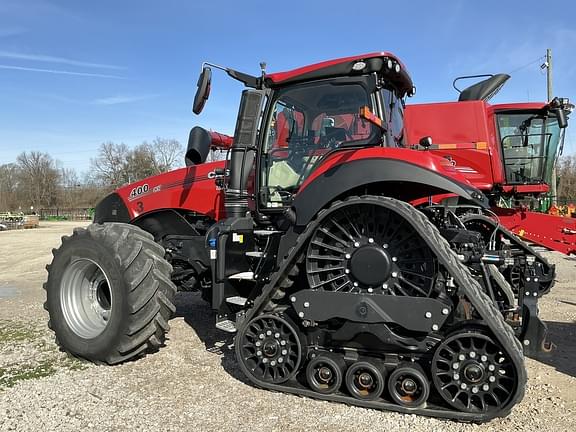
<point>390,64</point>
<point>397,68</point>
<point>358,66</point>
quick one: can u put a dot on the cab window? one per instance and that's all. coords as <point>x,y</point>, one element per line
<point>305,123</point>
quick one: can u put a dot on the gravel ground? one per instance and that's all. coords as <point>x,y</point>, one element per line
<point>194,384</point>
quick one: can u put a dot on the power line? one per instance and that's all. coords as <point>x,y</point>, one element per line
<point>539,59</point>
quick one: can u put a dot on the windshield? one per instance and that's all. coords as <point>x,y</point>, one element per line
<point>530,145</point>
<point>306,122</point>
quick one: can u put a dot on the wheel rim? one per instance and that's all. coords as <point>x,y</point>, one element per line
<point>473,374</point>
<point>270,349</point>
<point>86,298</point>
<point>324,375</point>
<point>369,248</point>
<point>408,387</point>
<point>364,381</point>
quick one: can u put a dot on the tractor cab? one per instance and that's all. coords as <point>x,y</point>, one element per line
<point>289,122</point>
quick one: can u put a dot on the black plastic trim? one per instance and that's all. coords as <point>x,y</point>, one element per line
<point>405,181</point>
<point>111,209</point>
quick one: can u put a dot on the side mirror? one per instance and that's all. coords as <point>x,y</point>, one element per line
<point>562,118</point>
<point>203,91</point>
<point>425,142</point>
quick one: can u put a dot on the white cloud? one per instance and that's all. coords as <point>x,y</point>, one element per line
<point>58,72</point>
<point>53,59</point>
<point>122,99</point>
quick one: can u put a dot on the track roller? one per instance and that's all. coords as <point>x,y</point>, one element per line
<point>408,386</point>
<point>324,373</point>
<point>365,381</point>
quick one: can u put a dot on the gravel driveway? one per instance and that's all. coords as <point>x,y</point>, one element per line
<point>194,384</point>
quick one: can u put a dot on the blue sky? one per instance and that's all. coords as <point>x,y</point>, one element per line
<point>74,74</point>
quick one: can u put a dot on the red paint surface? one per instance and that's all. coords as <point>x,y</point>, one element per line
<point>188,188</point>
<point>465,124</point>
<point>554,232</point>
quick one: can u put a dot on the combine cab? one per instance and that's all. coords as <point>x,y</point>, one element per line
<point>317,244</point>
<point>507,150</point>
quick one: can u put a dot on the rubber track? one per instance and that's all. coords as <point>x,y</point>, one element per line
<point>528,250</point>
<point>467,286</point>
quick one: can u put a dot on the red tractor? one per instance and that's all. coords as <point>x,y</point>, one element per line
<point>317,242</point>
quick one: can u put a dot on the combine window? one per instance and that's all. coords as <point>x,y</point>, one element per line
<point>529,145</point>
<point>305,123</point>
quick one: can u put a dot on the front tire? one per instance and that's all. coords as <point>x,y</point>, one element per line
<point>109,293</point>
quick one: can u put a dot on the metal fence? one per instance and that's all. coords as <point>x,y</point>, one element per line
<point>11,221</point>
<point>66,213</point>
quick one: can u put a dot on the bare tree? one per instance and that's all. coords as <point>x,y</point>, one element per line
<point>8,187</point>
<point>117,165</point>
<point>167,153</point>
<point>110,166</point>
<point>37,179</point>
<point>566,172</point>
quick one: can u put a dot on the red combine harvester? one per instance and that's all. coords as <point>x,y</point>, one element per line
<point>507,150</point>
<point>317,242</point>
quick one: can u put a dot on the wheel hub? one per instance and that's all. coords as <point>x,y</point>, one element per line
<point>409,386</point>
<point>371,265</point>
<point>365,380</point>
<point>474,373</point>
<point>325,374</point>
<point>270,348</point>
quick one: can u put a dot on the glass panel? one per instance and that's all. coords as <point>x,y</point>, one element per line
<point>529,144</point>
<point>306,122</point>
<point>395,113</point>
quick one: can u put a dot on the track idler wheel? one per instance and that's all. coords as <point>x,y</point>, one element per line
<point>269,349</point>
<point>472,373</point>
<point>408,386</point>
<point>365,381</point>
<point>325,373</point>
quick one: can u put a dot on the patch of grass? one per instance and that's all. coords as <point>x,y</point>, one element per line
<point>9,376</point>
<point>26,354</point>
<point>74,364</point>
<point>11,331</point>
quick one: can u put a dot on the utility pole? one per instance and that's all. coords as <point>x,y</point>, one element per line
<point>553,189</point>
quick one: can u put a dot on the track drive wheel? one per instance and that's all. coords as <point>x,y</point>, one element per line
<point>109,293</point>
<point>472,373</point>
<point>268,348</point>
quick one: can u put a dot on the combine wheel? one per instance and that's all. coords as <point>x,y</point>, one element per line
<point>109,293</point>
<point>324,374</point>
<point>473,374</point>
<point>408,386</point>
<point>365,381</point>
<point>269,349</point>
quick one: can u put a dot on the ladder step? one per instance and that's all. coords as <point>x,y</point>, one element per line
<point>266,232</point>
<point>242,276</point>
<point>255,254</point>
<point>227,326</point>
<point>237,300</point>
